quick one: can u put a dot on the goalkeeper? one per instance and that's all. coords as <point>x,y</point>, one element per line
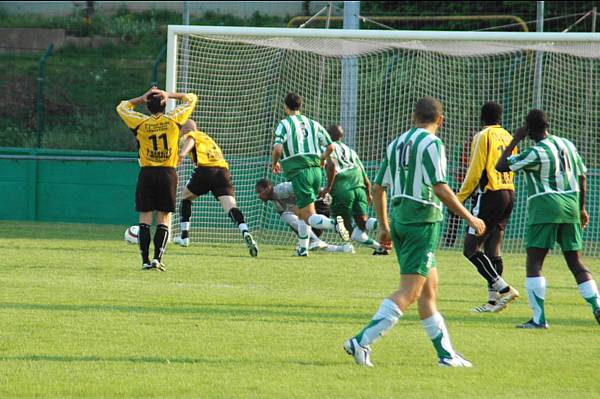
<point>284,201</point>
<point>211,174</point>
<point>350,190</point>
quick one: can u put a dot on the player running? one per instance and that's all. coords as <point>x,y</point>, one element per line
<point>298,142</point>
<point>414,170</point>
<point>556,210</point>
<point>350,190</point>
<point>495,193</point>
<point>211,173</point>
<point>157,136</point>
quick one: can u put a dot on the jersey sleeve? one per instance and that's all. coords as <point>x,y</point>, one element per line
<point>132,118</point>
<point>580,168</point>
<point>280,135</point>
<point>384,175</point>
<point>182,112</point>
<point>323,136</point>
<point>479,154</point>
<point>525,160</point>
<point>434,163</point>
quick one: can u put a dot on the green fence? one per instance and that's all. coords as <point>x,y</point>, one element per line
<point>68,186</point>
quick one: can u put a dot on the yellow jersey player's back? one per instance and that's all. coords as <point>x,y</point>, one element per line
<point>157,135</point>
<point>206,153</point>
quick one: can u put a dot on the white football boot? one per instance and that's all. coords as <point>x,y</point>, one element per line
<point>361,354</point>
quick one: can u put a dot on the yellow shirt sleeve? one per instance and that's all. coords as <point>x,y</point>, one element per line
<point>479,153</point>
<point>182,112</point>
<point>132,118</point>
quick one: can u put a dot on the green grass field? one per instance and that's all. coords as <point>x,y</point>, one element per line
<point>79,319</point>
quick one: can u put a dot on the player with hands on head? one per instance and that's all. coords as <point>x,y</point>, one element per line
<point>157,136</point>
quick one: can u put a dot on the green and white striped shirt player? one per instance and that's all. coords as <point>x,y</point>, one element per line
<point>552,168</point>
<point>301,139</point>
<point>413,163</point>
<point>349,170</point>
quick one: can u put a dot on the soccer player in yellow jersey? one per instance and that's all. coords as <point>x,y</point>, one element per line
<point>158,140</point>
<point>494,192</point>
<point>211,174</point>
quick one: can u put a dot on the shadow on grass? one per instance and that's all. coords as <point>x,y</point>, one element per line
<point>158,360</point>
<point>269,312</point>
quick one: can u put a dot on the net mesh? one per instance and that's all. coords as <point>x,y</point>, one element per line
<point>241,83</point>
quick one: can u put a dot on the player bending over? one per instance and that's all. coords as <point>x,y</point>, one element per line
<point>350,190</point>
<point>158,139</point>
<point>495,193</point>
<point>211,174</point>
<point>555,212</point>
<point>284,201</point>
<point>414,170</point>
<point>298,142</point>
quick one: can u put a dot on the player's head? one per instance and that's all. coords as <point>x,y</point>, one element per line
<point>536,123</point>
<point>336,132</point>
<point>491,113</point>
<point>188,126</point>
<point>293,102</point>
<point>428,111</point>
<point>264,189</point>
<point>155,103</point>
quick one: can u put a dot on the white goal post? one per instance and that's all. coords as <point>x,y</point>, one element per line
<point>368,82</point>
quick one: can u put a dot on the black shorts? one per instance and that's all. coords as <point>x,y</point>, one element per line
<point>156,189</point>
<point>216,180</point>
<point>321,207</point>
<point>494,208</point>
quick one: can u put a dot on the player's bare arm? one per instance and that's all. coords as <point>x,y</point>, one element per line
<point>326,154</point>
<point>520,134</point>
<point>380,205</point>
<point>275,157</point>
<point>330,171</point>
<point>446,195</point>
<point>585,218</point>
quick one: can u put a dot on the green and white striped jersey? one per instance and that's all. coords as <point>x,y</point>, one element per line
<point>349,170</point>
<point>552,168</point>
<point>413,163</point>
<point>301,139</point>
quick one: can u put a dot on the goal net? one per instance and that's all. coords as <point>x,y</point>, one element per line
<point>369,82</point>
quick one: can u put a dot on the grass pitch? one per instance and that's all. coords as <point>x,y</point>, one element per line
<point>79,319</point>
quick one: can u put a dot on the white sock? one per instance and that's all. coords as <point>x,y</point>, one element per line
<point>589,292</point>
<point>371,224</point>
<point>536,294</point>
<point>492,295</point>
<point>383,320</point>
<point>499,284</point>
<point>362,237</point>
<point>243,227</point>
<point>185,226</point>
<point>303,234</point>
<point>435,327</point>
<point>321,222</point>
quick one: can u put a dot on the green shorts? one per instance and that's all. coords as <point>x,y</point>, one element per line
<point>545,235</point>
<point>350,203</point>
<point>306,185</point>
<point>415,246</point>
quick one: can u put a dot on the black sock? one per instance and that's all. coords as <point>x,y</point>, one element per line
<point>236,215</point>
<point>498,264</point>
<point>161,237</point>
<point>144,242</point>
<point>185,212</point>
<point>484,266</point>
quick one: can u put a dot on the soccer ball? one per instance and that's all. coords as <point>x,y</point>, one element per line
<point>131,234</point>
